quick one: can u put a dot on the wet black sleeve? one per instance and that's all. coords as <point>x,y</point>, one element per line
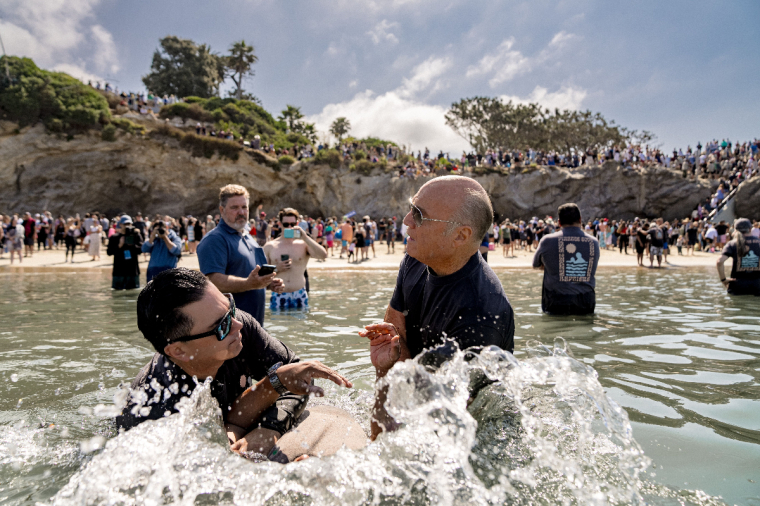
<point>397,300</point>
<point>261,351</point>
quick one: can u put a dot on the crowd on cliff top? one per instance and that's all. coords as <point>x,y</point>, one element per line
<point>714,160</point>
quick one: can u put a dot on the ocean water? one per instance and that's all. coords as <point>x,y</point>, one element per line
<point>652,400</point>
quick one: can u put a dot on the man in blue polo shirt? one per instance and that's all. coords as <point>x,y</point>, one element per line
<point>231,258</point>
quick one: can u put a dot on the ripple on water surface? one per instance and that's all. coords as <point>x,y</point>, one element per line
<point>670,347</point>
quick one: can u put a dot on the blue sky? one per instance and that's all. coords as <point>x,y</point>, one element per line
<point>686,70</point>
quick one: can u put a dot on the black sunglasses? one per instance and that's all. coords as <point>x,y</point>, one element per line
<point>221,329</point>
<point>288,224</point>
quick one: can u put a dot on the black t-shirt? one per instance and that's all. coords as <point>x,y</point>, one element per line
<point>161,384</point>
<point>656,237</point>
<point>125,260</point>
<point>721,229</point>
<point>468,306</point>
<point>641,238</point>
<point>692,233</point>
<point>746,266</point>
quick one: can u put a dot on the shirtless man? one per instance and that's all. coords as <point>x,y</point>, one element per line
<point>348,235</point>
<point>291,254</point>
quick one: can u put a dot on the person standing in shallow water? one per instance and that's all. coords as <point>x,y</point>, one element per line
<point>744,250</point>
<point>444,290</point>
<point>569,259</point>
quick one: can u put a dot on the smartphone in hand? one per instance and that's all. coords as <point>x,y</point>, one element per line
<point>266,270</point>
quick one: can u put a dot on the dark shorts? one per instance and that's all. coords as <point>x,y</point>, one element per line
<point>575,304</point>
<point>744,287</point>
<point>29,240</point>
<point>125,282</point>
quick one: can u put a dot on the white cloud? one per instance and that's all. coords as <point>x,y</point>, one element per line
<point>565,98</point>
<point>105,55</point>
<point>57,34</point>
<point>507,63</point>
<point>399,115</point>
<point>78,71</point>
<point>423,76</point>
<point>353,84</point>
<point>382,32</point>
<point>393,117</point>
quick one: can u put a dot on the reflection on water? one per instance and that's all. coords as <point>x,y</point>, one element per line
<point>668,346</point>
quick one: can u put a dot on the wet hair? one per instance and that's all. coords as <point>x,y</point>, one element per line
<point>232,190</point>
<point>569,214</point>
<point>288,211</point>
<point>159,305</point>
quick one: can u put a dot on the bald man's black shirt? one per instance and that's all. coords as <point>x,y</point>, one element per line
<point>468,306</point>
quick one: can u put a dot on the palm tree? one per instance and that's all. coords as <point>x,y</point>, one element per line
<point>340,127</point>
<point>239,62</point>
<point>292,114</point>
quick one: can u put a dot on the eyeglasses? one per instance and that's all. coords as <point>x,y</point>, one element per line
<point>221,329</point>
<point>418,218</point>
<point>288,224</point>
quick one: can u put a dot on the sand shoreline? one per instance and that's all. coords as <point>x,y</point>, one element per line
<point>52,261</point>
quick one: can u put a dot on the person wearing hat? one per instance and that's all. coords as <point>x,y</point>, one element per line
<point>744,251</point>
<point>125,247</point>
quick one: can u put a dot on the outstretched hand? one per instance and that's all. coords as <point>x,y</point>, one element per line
<point>297,377</point>
<point>386,345</point>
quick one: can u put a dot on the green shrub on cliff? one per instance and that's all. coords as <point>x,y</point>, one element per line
<point>128,126</point>
<point>331,157</point>
<point>286,160</point>
<point>108,133</point>
<point>56,99</point>
<point>241,117</point>
<point>200,145</point>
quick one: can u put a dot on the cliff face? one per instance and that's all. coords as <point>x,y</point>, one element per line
<point>748,200</point>
<point>41,171</point>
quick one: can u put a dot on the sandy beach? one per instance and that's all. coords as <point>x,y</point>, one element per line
<point>53,260</point>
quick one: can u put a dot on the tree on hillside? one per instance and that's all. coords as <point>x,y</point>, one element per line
<point>239,63</point>
<point>183,68</point>
<point>490,123</point>
<point>340,127</point>
<point>291,115</point>
<point>308,130</point>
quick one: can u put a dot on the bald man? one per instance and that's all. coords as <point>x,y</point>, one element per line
<point>444,290</point>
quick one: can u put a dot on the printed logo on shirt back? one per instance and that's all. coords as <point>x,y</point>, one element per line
<point>576,259</point>
<point>751,261</point>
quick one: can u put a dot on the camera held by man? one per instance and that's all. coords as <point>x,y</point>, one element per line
<point>125,246</point>
<point>165,248</point>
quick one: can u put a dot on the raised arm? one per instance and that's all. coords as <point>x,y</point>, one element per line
<point>314,249</point>
<point>387,346</point>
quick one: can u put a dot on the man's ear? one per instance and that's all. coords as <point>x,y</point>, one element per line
<point>177,352</point>
<point>463,235</point>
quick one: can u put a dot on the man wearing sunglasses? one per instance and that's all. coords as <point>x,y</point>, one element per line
<point>290,253</point>
<point>444,290</point>
<point>199,335</point>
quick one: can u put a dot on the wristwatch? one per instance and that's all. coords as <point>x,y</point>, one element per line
<point>275,380</point>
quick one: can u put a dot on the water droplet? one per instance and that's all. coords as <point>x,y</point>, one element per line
<point>14,377</point>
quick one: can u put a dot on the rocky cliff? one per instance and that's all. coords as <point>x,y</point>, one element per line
<point>42,171</point>
<point>748,199</point>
